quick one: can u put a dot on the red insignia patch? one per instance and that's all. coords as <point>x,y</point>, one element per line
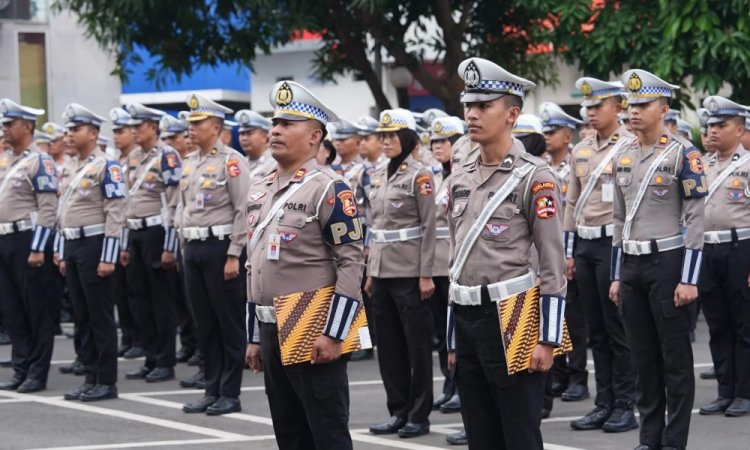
<point>425,185</point>
<point>233,168</point>
<point>171,160</point>
<point>694,158</point>
<point>541,186</point>
<point>347,199</point>
<point>545,207</point>
<point>330,201</point>
<point>115,173</point>
<point>49,167</point>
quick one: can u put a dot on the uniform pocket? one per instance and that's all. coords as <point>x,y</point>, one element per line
<point>669,310</point>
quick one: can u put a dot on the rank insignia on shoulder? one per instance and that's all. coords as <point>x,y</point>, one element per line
<point>298,175</point>
<point>615,137</point>
<point>213,151</point>
<point>663,139</point>
<point>507,162</point>
<point>403,167</point>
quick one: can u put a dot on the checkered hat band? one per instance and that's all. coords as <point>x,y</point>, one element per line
<point>210,111</point>
<point>448,130</point>
<point>604,93</point>
<point>499,87</point>
<point>559,123</point>
<point>305,110</point>
<point>728,112</point>
<point>652,91</point>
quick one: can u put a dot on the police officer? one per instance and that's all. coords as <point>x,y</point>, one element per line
<point>149,251</point>
<point>28,202</point>
<point>746,137</point>
<point>528,129</point>
<point>444,132</point>
<point>306,237</point>
<point>91,217</point>
<point>659,186</point>
<point>726,264</point>
<point>213,190</point>
<point>174,132</point>
<point>588,246</point>
<point>399,276</point>
<point>501,203</point>
<point>254,130</point>
<point>345,137</point>
<point>570,373</point>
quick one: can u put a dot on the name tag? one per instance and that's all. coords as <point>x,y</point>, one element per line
<point>274,247</point>
<point>608,192</point>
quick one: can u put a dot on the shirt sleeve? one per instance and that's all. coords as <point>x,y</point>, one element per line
<point>238,180</point>
<point>44,182</point>
<point>569,221</point>
<point>113,194</point>
<point>171,170</point>
<point>424,191</point>
<point>694,189</point>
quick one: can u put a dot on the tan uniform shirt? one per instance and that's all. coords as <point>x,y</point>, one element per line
<point>441,267</point>
<point>728,207</point>
<point>362,186</point>
<point>99,196</point>
<point>261,166</point>
<point>585,158</point>
<point>464,149</point>
<point>405,200</point>
<point>160,169</point>
<point>31,190</point>
<point>213,191</point>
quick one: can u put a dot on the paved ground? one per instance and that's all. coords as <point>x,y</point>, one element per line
<point>149,416</point>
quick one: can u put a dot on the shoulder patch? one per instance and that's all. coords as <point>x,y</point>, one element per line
<point>693,180</point>
<point>424,184</point>
<point>343,225</point>
<point>45,178</point>
<point>233,167</point>
<point>542,185</point>
<point>113,186</point>
<point>545,207</point>
<point>171,167</point>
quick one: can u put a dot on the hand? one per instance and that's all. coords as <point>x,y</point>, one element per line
<point>231,268</point>
<point>325,350</point>
<point>368,286</point>
<point>426,288</point>
<point>614,292</point>
<point>367,252</point>
<point>36,259</point>
<point>61,267</point>
<point>541,358</point>
<point>685,294</point>
<point>56,259</point>
<point>570,268</point>
<point>253,358</point>
<point>124,258</point>
<point>105,269</point>
<point>167,260</point>
<point>452,361</point>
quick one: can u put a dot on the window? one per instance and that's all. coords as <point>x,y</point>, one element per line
<point>32,66</point>
<point>28,10</point>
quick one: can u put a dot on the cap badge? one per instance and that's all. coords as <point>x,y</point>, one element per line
<point>713,106</point>
<point>193,103</point>
<point>472,76</point>
<point>284,95</point>
<point>438,127</point>
<point>634,82</point>
<point>586,88</point>
<point>545,116</point>
<point>386,119</point>
<point>50,129</point>
<point>624,102</point>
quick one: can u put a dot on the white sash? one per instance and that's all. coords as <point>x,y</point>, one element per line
<point>724,175</point>
<point>144,174</point>
<point>76,181</point>
<point>15,169</point>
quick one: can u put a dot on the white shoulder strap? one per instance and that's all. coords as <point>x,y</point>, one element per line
<point>20,164</point>
<point>596,175</point>
<point>724,175</point>
<point>144,174</point>
<point>76,181</point>
<point>471,236</point>
<point>644,187</point>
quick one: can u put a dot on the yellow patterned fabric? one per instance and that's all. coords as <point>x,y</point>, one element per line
<point>519,327</point>
<point>301,318</point>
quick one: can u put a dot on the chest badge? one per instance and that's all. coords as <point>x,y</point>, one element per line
<point>496,229</point>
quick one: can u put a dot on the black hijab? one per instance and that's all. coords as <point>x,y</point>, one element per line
<point>409,141</point>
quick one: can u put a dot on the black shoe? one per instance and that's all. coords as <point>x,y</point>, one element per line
<point>184,354</point>
<point>457,438</point>
<point>716,407</point>
<point>575,393</point>
<point>195,360</point>
<point>391,426</point>
<point>160,374</point>
<point>546,413</point>
<point>645,447</point>
<point>79,369</point>
<point>201,384</point>
<point>621,420</point>
<point>68,368</point>
<point>66,317</point>
<point>224,405</point>
<point>593,420</point>
<point>12,384</point>
<point>739,407</point>
<point>122,349</point>
<point>558,388</point>
<point>29,386</point>
<point>362,355</point>
<point>76,393</point>
<point>192,381</point>
<point>411,430</point>
<point>4,339</point>
<point>138,374</point>
<point>199,406</point>
<point>134,352</point>
<point>451,406</point>
<point>99,392</point>
<point>442,398</point>
<point>709,374</point>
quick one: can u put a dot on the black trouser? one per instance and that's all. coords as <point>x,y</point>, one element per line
<point>219,308</point>
<point>94,309</point>
<point>182,310</point>
<point>659,335</point>
<point>152,302</point>
<point>725,299</point>
<point>439,306</point>
<point>123,299</point>
<point>28,300</point>
<point>404,330</point>
<point>309,402</point>
<point>571,369</point>
<point>613,361</point>
<point>500,411</point>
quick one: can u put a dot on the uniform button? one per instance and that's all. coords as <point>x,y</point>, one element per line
<point>471,277</point>
<point>509,213</point>
<point>258,270</point>
<point>476,215</point>
<point>480,188</point>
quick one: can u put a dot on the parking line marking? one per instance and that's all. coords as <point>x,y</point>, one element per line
<point>175,405</point>
<point>160,443</point>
